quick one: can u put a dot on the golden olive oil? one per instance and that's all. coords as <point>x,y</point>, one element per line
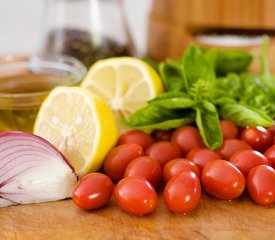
<point>21,95</point>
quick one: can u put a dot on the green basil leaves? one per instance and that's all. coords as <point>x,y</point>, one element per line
<point>206,85</point>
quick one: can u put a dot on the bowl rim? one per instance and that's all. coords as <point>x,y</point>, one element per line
<point>61,62</point>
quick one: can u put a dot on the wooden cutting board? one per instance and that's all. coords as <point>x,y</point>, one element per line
<point>213,219</point>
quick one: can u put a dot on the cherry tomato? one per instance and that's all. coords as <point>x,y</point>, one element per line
<point>229,129</point>
<point>222,180</point>
<point>136,136</point>
<point>92,191</point>
<point>230,146</point>
<point>182,193</point>
<point>163,151</point>
<point>246,159</point>
<point>270,154</point>
<point>146,167</point>
<point>201,156</point>
<point>187,138</point>
<point>177,166</point>
<point>135,195</point>
<point>119,157</point>
<point>162,135</point>
<point>261,184</point>
<point>271,130</point>
<point>257,137</point>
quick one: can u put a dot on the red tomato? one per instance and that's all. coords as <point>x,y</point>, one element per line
<point>146,167</point>
<point>261,184</point>
<point>229,129</point>
<point>222,180</point>
<point>257,137</point>
<point>271,130</point>
<point>177,166</point>
<point>92,191</point>
<point>246,159</point>
<point>201,156</point>
<point>270,154</point>
<point>163,151</point>
<point>187,138</point>
<point>119,157</point>
<point>135,195</point>
<point>230,146</point>
<point>162,135</point>
<point>182,193</point>
<point>136,136</point>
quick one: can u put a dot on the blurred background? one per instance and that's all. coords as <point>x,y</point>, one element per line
<point>157,28</point>
<point>22,22</point>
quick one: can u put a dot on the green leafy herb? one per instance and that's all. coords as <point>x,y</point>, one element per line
<point>232,61</point>
<point>195,66</point>
<point>207,120</point>
<point>244,115</point>
<point>195,95</point>
<point>173,100</point>
<point>171,74</point>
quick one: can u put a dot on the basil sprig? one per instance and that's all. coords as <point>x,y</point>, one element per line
<point>206,85</point>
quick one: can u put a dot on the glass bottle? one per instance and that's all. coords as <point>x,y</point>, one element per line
<point>88,30</point>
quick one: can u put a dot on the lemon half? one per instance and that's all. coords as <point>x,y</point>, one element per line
<point>82,127</point>
<point>124,83</point>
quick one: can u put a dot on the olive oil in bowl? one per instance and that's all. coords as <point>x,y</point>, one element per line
<point>25,83</point>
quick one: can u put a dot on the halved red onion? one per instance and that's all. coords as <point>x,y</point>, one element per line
<point>32,170</point>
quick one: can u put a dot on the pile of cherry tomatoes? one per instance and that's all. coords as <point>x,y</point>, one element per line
<point>177,164</point>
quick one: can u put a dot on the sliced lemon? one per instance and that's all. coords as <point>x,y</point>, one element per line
<point>124,83</point>
<point>82,127</point>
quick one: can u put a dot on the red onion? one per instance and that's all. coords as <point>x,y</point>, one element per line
<point>32,170</point>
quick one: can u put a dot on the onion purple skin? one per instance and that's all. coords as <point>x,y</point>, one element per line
<point>12,133</point>
<point>33,170</point>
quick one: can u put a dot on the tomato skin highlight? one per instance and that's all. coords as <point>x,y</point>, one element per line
<point>229,129</point>
<point>257,137</point>
<point>270,154</point>
<point>201,156</point>
<point>92,191</point>
<point>187,138</point>
<point>163,151</point>
<point>182,193</point>
<point>119,157</point>
<point>261,185</point>
<point>246,159</point>
<point>177,166</point>
<point>135,195</point>
<point>146,167</point>
<point>136,136</point>
<point>222,180</point>
<point>230,146</point>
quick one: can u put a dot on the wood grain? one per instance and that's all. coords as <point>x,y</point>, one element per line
<point>217,13</point>
<point>213,219</point>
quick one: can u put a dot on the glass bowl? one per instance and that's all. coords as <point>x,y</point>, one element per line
<point>25,81</point>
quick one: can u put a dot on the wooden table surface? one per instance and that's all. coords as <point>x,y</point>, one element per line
<point>213,219</point>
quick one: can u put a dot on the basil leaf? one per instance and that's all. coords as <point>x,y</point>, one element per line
<point>266,75</point>
<point>170,72</point>
<point>211,56</point>
<point>168,124</point>
<point>173,100</point>
<point>152,114</point>
<point>230,85</point>
<point>232,61</point>
<point>207,120</point>
<point>195,66</point>
<point>221,99</point>
<point>244,115</point>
